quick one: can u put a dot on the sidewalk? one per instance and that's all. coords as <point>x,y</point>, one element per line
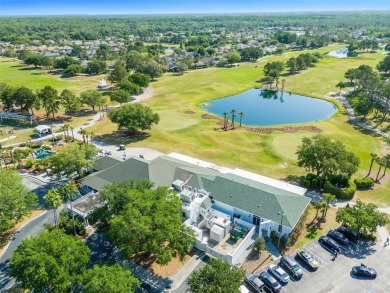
<point>354,120</point>
<point>186,270</point>
<point>275,254</point>
<point>383,235</point>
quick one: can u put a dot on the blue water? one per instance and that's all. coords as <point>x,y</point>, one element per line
<point>40,153</point>
<point>265,107</point>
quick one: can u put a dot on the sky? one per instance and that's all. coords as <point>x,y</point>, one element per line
<point>93,7</point>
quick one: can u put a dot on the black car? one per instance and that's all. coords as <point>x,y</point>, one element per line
<point>364,271</point>
<point>352,236</point>
<point>270,282</point>
<point>329,243</point>
<point>338,236</point>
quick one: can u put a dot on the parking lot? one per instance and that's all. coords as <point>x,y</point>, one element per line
<point>335,275</point>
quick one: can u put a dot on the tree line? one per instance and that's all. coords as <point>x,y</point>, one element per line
<point>27,29</point>
<point>26,100</point>
<point>273,70</point>
<point>371,90</point>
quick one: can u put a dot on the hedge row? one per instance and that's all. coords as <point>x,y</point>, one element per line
<point>346,193</point>
<point>364,183</point>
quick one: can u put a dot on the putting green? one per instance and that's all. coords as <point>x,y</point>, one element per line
<point>172,120</point>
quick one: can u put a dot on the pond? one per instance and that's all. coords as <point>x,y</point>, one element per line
<point>265,107</point>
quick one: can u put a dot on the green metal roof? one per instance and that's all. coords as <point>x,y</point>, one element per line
<point>255,201</point>
<point>251,196</point>
<point>105,163</point>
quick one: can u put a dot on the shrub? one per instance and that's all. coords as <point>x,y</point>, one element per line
<point>304,182</point>
<point>311,176</point>
<point>46,147</point>
<point>364,183</point>
<point>346,193</point>
<point>29,163</point>
<point>314,183</point>
<point>260,244</point>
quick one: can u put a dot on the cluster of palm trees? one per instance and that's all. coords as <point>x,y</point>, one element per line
<point>66,128</point>
<point>324,204</point>
<point>85,135</point>
<point>383,162</point>
<point>55,197</point>
<point>226,118</point>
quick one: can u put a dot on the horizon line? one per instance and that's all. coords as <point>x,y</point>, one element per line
<point>199,13</point>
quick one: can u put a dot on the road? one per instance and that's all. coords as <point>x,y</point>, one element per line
<point>184,287</point>
<point>33,228</point>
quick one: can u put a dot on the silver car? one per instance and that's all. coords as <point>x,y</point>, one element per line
<point>279,273</point>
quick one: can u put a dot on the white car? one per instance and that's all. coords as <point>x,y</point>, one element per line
<point>279,273</point>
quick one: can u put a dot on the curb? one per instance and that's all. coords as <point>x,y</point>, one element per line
<point>20,228</point>
<point>33,177</point>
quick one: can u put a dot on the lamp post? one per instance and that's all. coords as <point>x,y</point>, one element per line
<point>280,228</point>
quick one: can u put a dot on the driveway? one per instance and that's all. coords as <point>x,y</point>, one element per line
<point>335,275</point>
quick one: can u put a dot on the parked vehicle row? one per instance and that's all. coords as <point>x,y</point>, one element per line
<point>278,275</point>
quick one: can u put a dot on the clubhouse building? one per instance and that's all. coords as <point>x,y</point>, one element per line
<point>227,208</point>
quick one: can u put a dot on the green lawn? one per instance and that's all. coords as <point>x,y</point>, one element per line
<point>271,155</point>
<point>15,73</point>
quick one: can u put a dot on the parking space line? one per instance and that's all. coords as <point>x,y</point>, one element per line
<point>321,262</point>
<point>284,289</point>
<point>380,287</point>
<point>388,280</point>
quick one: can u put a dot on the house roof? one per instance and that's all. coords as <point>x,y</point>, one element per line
<point>105,163</point>
<point>134,168</point>
<point>254,197</point>
<point>237,193</point>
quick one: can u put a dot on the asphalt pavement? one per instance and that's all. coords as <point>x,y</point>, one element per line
<point>33,228</point>
<point>334,275</point>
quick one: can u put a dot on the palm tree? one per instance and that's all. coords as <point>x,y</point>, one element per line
<point>68,192</point>
<point>54,199</point>
<point>330,199</point>
<point>83,133</point>
<point>241,114</point>
<point>324,206</point>
<point>52,132</point>
<point>317,206</point>
<point>233,112</point>
<point>379,161</point>
<point>71,129</point>
<point>66,127</point>
<point>373,158</point>
<point>91,135</point>
<point>340,85</point>
<point>225,119</point>
<point>386,162</point>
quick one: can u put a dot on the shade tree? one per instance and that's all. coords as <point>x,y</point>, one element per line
<point>110,279</point>
<point>51,261</point>
<point>92,98</point>
<point>362,217</point>
<point>217,276</point>
<point>71,160</point>
<point>145,220</point>
<point>15,200</point>
<point>134,117</point>
<point>324,156</point>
